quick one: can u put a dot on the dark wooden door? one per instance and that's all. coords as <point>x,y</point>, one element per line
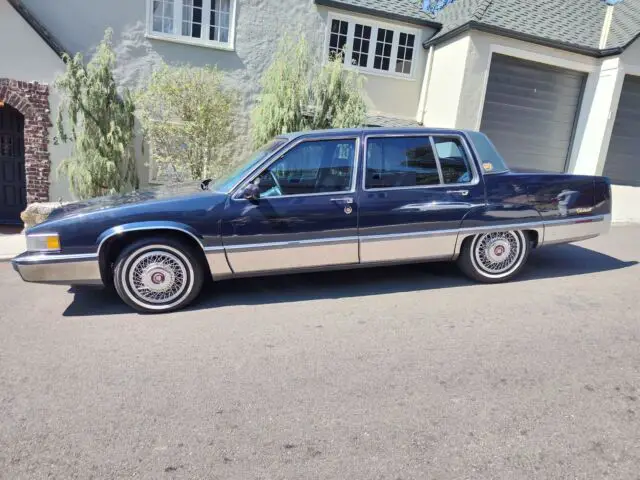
<point>13,196</point>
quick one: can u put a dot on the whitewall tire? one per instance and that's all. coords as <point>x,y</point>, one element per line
<point>495,256</point>
<point>158,275</point>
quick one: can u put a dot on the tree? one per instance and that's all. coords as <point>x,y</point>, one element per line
<point>298,93</point>
<point>100,123</point>
<point>187,115</point>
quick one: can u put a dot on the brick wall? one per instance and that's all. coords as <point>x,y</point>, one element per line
<point>32,100</point>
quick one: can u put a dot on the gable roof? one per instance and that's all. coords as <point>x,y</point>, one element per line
<point>573,25</point>
<point>28,17</point>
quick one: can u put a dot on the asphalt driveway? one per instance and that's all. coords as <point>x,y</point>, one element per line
<point>391,373</point>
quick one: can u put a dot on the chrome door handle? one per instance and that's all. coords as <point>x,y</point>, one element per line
<point>464,193</point>
<point>347,200</point>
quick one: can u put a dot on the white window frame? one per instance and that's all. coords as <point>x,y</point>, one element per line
<point>375,25</point>
<point>206,24</point>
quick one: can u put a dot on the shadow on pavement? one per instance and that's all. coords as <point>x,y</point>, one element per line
<point>551,262</point>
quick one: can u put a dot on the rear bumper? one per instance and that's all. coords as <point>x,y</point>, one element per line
<point>575,229</point>
<point>82,269</point>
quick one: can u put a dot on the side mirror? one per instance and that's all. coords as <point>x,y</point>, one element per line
<point>251,192</point>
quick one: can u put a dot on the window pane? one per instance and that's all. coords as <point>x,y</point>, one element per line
<point>383,49</point>
<point>453,160</point>
<point>157,24</point>
<point>311,167</point>
<point>400,162</point>
<point>224,35</point>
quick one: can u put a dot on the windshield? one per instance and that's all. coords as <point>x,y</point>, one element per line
<point>227,182</point>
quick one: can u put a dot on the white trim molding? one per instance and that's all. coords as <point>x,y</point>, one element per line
<point>169,22</point>
<point>588,65</point>
<point>395,57</point>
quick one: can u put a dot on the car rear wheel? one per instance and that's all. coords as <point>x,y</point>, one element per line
<point>494,257</point>
<point>158,275</point>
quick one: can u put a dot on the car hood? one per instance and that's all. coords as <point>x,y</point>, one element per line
<point>138,197</point>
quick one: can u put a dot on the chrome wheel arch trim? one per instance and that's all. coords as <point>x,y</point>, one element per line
<point>146,226</point>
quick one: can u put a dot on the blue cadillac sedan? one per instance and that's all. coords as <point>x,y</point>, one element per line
<point>319,200</point>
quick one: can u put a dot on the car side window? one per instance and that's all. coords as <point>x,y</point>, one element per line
<point>400,162</point>
<point>321,166</point>
<point>453,160</point>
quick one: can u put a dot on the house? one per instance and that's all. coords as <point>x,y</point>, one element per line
<point>556,85</point>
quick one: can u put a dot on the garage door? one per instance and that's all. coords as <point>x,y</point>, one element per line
<point>530,112</point>
<point>623,158</point>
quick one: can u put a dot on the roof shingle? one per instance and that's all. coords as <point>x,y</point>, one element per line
<point>409,11</point>
<point>567,23</point>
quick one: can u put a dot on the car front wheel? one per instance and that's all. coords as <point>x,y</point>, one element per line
<point>494,257</point>
<point>158,275</point>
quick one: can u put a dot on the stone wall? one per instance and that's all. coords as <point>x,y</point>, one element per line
<point>32,100</point>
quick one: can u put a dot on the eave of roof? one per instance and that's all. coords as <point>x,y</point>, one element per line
<point>28,17</point>
<point>473,25</point>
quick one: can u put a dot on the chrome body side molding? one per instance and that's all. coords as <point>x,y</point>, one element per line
<point>306,255</point>
<point>435,245</point>
<point>294,255</point>
<point>575,229</point>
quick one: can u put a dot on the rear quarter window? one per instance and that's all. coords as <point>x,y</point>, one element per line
<point>490,159</point>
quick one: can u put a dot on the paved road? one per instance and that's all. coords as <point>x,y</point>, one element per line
<point>396,373</point>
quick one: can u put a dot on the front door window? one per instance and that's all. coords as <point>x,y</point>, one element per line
<point>313,167</point>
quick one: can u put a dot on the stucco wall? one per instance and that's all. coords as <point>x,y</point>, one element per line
<point>30,59</point>
<point>259,26</point>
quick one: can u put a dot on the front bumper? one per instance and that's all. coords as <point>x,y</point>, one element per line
<point>58,269</point>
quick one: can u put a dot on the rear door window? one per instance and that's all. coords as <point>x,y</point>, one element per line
<point>453,160</point>
<point>400,162</point>
<point>396,162</point>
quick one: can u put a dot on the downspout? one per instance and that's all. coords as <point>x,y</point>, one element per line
<point>606,26</point>
<point>422,103</point>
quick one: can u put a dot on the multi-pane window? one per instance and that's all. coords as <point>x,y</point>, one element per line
<point>220,15</point>
<point>405,53</point>
<point>209,22</point>
<point>393,162</point>
<point>384,44</point>
<point>163,16</point>
<point>361,43</point>
<point>338,37</point>
<point>192,18</point>
<point>371,47</point>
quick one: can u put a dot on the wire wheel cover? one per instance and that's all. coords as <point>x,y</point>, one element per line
<point>497,252</point>
<point>158,276</point>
